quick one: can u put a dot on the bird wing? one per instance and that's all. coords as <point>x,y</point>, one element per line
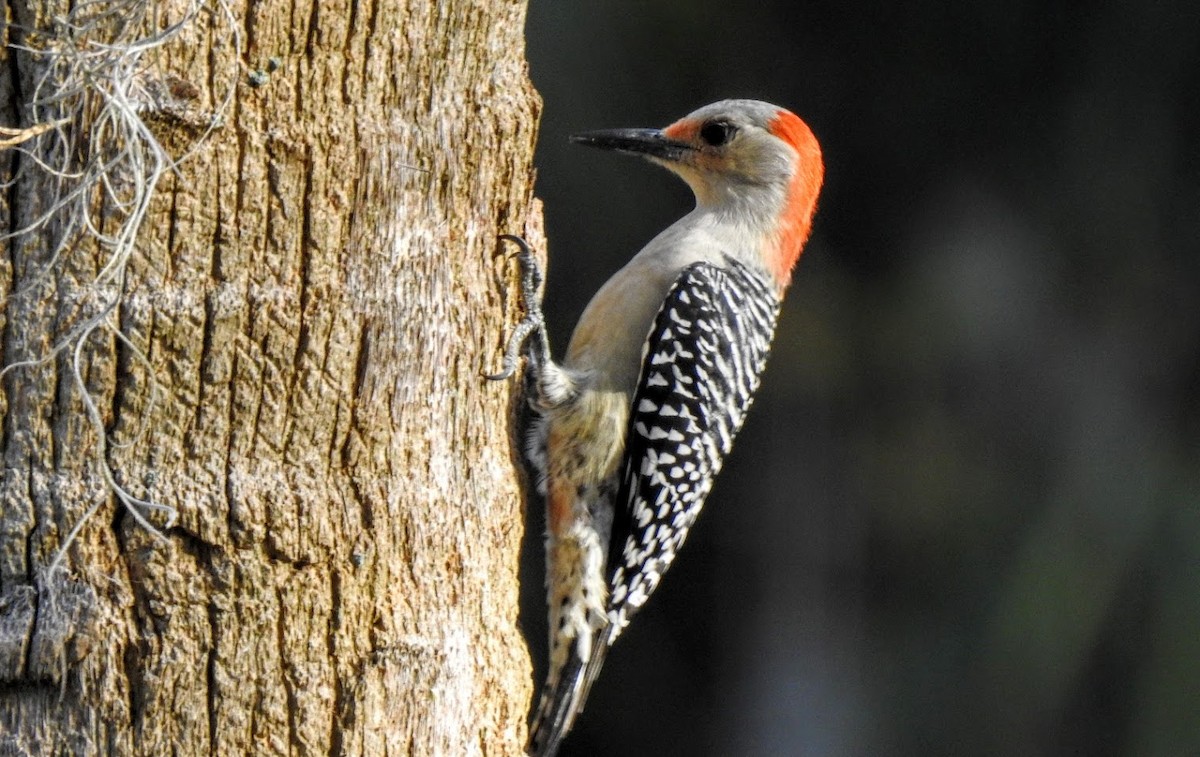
<point>700,367</point>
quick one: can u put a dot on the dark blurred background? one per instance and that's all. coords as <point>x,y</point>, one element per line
<point>964,515</point>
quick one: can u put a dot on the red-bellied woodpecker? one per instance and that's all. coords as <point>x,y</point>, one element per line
<point>633,425</point>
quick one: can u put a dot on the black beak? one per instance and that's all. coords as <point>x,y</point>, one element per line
<point>651,143</point>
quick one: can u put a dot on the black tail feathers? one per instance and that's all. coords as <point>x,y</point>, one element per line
<point>564,697</point>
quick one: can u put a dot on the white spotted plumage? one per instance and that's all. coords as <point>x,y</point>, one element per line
<point>702,365</point>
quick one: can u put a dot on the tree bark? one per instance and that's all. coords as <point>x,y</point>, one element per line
<point>292,363</point>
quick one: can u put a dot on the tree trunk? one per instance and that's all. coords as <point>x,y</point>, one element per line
<point>297,509</point>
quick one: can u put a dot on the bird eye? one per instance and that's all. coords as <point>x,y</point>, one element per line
<point>717,133</point>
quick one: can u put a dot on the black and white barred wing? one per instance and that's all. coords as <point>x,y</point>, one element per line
<point>701,366</point>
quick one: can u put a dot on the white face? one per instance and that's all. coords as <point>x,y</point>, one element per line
<point>732,154</point>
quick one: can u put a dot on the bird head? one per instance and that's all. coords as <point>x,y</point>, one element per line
<point>750,163</point>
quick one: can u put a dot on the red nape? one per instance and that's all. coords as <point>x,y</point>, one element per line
<point>795,223</point>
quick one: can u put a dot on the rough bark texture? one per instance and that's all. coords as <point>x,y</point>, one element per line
<point>316,293</point>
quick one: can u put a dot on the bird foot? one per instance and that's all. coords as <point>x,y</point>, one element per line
<point>534,323</point>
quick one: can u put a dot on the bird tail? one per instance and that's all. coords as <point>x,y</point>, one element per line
<point>564,695</point>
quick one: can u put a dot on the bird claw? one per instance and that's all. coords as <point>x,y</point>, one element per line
<point>534,323</point>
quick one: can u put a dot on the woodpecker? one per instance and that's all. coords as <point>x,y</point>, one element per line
<point>632,426</point>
